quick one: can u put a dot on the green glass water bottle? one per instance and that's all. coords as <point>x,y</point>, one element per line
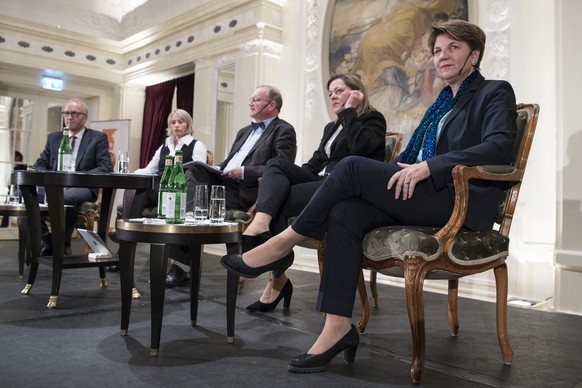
<point>164,186</point>
<point>65,160</point>
<point>177,193</point>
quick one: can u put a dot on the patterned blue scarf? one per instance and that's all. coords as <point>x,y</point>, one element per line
<point>425,135</point>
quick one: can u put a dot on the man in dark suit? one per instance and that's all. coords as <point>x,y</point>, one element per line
<point>91,154</point>
<point>266,138</point>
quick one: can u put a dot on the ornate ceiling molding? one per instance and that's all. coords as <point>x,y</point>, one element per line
<point>225,29</point>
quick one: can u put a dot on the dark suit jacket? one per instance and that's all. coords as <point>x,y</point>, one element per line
<point>277,141</point>
<point>364,136</point>
<point>93,154</point>
<point>479,130</point>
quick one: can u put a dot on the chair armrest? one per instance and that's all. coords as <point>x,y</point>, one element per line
<point>461,176</point>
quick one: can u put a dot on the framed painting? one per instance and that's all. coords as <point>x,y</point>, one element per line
<point>385,42</point>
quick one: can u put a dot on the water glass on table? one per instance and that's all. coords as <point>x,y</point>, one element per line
<point>200,203</point>
<point>123,162</point>
<point>13,195</point>
<point>217,209</point>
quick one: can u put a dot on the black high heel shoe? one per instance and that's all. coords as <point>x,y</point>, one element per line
<point>251,242</point>
<point>313,363</point>
<point>234,263</point>
<point>285,292</point>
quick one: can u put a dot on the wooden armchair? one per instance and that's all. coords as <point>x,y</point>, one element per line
<point>418,253</point>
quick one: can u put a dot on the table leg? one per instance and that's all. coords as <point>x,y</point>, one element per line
<point>56,203</point>
<point>126,269</point>
<point>22,251</point>
<point>158,266</point>
<point>33,215</point>
<point>231,293</point>
<point>195,256</point>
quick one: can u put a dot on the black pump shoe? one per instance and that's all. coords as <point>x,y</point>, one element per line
<point>313,363</point>
<point>234,263</point>
<point>285,292</point>
<point>251,242</point>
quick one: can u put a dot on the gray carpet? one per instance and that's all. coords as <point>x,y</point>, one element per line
<point>78,344</point>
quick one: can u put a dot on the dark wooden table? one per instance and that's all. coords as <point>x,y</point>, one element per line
<point>162,237</point>
<point>54,183</point>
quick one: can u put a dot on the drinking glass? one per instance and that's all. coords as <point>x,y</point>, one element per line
<point>200,202</point>
<point>123,162</point>
<point>217,204</point>
<point>13,196</point>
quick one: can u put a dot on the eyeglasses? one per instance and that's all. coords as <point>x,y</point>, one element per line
<point>257,99</point>
<point>73,114</point>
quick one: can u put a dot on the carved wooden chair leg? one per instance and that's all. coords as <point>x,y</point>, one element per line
<point>453,315</point>
<point>501,285</point>
<point>374,287</point>
<point>414,280</point>
<point>361,326</point>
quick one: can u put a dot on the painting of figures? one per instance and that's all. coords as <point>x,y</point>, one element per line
<point>385,42</point>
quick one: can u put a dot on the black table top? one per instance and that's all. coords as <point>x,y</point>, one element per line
<point>82,179</point>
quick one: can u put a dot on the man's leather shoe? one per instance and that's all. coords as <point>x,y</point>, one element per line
<point>46,250</point>
<point>176,276</point>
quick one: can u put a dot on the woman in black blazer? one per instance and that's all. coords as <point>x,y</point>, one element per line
<point>472,122</point>
<point>286,188</point>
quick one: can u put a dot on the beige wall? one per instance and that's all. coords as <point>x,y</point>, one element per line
<point>568,253</point>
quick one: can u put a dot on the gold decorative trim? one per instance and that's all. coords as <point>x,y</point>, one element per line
<point>26,289</point>
<point>52,302</point>
<point>178,228</point>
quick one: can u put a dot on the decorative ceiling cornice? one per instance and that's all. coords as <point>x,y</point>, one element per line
<point>199,35</point>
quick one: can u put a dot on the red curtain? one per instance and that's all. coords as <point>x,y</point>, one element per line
<point>158,105</point>
<point>185,93</point>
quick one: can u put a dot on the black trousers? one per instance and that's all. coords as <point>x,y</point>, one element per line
<point>350,202</point>
<point>284,191</point>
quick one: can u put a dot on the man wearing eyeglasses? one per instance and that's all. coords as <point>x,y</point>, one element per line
<point>266,137</point>
<point>91,154</point>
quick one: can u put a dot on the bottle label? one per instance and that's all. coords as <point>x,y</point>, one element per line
<point>180,209</point>
<point>66,163</point>
<point>169,204</point>
<point>161,202</point>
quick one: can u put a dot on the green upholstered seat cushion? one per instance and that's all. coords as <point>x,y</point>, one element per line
<point>468,247</point>
<point>238,216</point>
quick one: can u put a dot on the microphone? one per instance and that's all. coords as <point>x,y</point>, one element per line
<point>346,100</point>
<point>263,108</point>
<point>462,67</point>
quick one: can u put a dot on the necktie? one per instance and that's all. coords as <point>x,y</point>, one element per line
<point>73,140</point>
<point>258,125</point>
